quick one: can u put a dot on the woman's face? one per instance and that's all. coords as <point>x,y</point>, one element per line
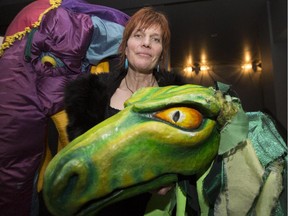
<point>144,48</point>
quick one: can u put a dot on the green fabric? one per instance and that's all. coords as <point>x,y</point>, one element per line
<point>265,138</point>
<point>201,196</point>
<point>181,202</point>
<point>213,181</point>
<point>27,51</point>
<point>234,132</point>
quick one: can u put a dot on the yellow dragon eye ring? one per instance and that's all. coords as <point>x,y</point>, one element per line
<point>48,61</point>
<point>184,117</point>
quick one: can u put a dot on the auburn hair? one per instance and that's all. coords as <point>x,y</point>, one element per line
<point>145,18</point>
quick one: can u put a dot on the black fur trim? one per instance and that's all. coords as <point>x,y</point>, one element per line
<point>85,102</point>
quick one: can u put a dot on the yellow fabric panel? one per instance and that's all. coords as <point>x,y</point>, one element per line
<point>102,67</point>
<point>46,160</point>
<point>60,120</point>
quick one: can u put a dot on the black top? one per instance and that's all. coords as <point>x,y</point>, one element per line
<point>110,111</point>
<point>134,206</point>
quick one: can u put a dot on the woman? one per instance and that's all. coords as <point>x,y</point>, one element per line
<point>93,98</point>
<point>143,56</point>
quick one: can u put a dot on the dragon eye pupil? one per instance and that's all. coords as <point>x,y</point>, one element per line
<point>176,116</point>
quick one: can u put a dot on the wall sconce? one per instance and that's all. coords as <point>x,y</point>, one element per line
<point>254,66</point>
<point>196,68</point>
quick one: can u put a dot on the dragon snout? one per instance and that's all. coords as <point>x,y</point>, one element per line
<point>69,183</point>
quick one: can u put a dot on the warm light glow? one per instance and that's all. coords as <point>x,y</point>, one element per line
<point>203,57</point>
<point>247,66</point>
<point>189,60</point>
<point>188,69</point>
<point>204,68</point>
<point>247,57</point>
<point>194,68</point>
<point>247,53</point>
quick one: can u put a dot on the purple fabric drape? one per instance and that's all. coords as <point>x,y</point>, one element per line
<point>103,12</point>
<point>22,131</point>
<point>30,92</point>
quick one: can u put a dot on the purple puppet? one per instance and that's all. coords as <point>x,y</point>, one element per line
<point>68,38</point>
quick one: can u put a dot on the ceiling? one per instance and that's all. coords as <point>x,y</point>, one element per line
<point>219,30</point>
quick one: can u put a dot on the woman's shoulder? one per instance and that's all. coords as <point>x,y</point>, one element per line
<point>89,81</point>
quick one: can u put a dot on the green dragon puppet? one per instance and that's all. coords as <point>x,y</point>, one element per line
<point>163,132</point>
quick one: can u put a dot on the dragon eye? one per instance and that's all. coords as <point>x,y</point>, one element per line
<point>48,61</point>
<point>184,117</point>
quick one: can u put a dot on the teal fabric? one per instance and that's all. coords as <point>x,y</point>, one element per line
<point>223,87</point>
<point>106,39</point>
<point>266,140</point>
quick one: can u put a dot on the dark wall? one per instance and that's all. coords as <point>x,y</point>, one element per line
<point>264,90</point>
<point>274,58</point>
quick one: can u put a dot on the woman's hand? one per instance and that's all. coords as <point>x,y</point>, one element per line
<point>163,191</point>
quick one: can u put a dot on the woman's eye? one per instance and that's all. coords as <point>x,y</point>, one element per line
<point>157,40</point>
<point>184,117</point>
<point>137,35</point>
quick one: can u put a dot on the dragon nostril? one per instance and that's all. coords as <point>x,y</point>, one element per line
<point>71,184</point>
<point>71,179</point>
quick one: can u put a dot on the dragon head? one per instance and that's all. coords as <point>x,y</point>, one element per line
<point>161,133</point>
